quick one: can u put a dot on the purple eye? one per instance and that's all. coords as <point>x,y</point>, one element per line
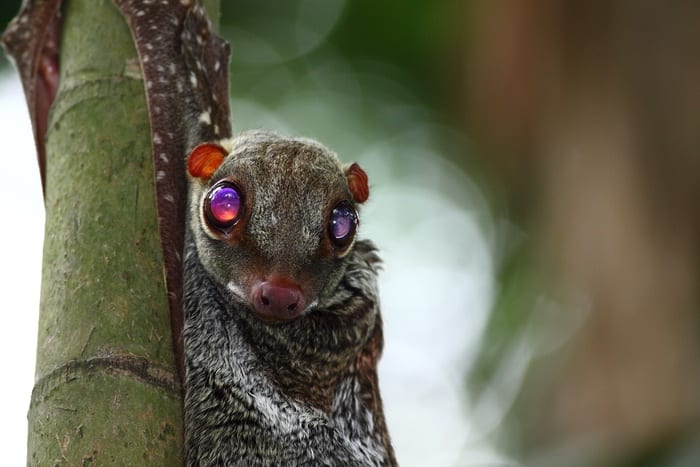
<point>223,205</point>
<point>342,224</point>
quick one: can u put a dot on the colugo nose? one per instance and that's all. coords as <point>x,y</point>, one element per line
<point>278,300</point>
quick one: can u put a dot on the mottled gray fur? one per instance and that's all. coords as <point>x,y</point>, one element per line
<point>302,392</point>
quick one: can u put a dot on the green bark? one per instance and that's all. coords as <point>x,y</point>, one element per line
<point>106,391</point>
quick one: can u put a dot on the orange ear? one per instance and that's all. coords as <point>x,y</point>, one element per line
<point>357,182</point>
<point>205,159</point>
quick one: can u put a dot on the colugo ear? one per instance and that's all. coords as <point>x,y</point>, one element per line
<point>357,182</point>
<point>205,159</point>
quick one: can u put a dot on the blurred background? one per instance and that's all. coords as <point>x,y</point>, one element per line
<point>535,189</point>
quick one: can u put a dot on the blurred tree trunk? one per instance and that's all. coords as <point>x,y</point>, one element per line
<point>106,389</point>
<point>590,111</point>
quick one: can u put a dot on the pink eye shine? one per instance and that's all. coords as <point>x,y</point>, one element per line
<point>342,224</point>
<point>224,205</point>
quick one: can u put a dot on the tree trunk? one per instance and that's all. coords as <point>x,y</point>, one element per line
<point>106,388</point>
<point>593,110</point>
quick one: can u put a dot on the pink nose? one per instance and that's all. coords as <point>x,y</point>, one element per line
<point>277,302</point>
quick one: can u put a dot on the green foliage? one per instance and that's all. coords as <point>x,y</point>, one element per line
<point>517,293</point>
<point>8,10</point>
<point>409,39</point>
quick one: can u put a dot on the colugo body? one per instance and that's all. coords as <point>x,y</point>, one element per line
<point>282,327</point>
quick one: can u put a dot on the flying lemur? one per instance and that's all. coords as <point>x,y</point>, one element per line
<point>282,326</point>
<point>282,331</point>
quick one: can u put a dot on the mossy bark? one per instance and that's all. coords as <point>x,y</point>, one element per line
<point>106,390</point>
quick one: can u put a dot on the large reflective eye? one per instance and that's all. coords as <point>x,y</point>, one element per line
<point>223,205</point>
<point>342,224</point>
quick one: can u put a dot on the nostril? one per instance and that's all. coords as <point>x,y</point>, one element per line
<point>278,301</point>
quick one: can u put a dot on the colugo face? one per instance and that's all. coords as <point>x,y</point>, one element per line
<point>273,219</point>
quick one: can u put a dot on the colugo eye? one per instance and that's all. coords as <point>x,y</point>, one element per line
<point>222,206</point>
<point>342,224</point>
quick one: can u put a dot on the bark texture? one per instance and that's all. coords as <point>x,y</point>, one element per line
<point>106,390</point>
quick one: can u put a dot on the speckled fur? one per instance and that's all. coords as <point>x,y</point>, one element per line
<point>302,392</point>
